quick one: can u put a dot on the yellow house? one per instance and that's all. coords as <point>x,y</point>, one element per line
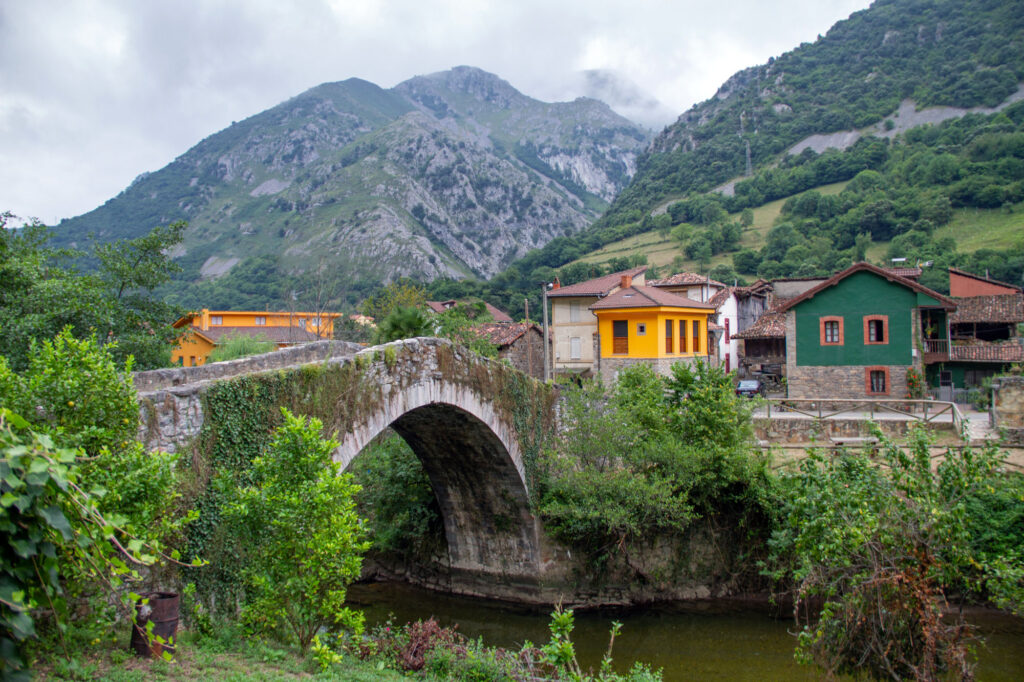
<point>649,325</point>
<point>203,331</point>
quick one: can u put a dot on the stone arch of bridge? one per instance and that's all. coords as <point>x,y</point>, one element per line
<point>473,460</point>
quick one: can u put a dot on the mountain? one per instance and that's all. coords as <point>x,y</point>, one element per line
<point>450,174</point>
<point>899,133</point>
<point>923,52</point>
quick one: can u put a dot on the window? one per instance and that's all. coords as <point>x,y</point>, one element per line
<point>696,336</point>
<point>575,348</point>
<point>876,380</point>
<point>574,311</point>
<point>191,361</point>
<point>260,320</point>
<point>682,336</point>
<point>831,331</point>
<point>216,319</point>
<point>876,329</point>
<point>620,337</point>
<point>641,329</point>
<point>670,344</point>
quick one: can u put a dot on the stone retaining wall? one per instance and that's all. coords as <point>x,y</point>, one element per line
<point>1008,408</point>
<point>794,431</point>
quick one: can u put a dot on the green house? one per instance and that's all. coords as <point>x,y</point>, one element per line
<point>858,333</point>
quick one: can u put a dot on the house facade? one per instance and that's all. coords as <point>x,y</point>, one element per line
<point>205,330</point>
<point>574,326</point>
<point>647,325</point>
<point>983,338</point>
<point>858,333</point>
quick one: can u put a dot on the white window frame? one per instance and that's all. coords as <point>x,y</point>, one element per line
<point>575,348</point>
<point>574,311</point>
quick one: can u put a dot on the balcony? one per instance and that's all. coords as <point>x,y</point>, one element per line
<point>936,350</point>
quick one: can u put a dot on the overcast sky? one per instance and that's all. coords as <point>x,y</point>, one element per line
<point>95,92</point>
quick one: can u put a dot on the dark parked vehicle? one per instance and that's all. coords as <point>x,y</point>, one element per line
<point>750,388</point>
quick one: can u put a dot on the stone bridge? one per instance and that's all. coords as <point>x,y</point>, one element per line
<point>475,424</point>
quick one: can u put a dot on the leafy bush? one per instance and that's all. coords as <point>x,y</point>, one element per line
<point>882,544</point>
<point>649,459</point>
<point>300,539</point>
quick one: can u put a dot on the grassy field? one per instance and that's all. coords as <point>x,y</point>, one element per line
<point>661,251</point>
<point>972,229</point>
<point>978,228</point>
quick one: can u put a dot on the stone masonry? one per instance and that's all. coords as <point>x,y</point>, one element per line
<point>1008,407</point>
<point>436,396</point>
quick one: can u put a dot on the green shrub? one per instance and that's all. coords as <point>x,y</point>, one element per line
<point>300,539</point>
<point>234,346</point>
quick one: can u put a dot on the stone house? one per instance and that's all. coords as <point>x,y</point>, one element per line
<point>857,334</point>
<point>573,328</point>
<point>644,324</point>
<point>520,344</point>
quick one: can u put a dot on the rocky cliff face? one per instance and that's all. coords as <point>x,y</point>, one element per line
<point>450,174</point>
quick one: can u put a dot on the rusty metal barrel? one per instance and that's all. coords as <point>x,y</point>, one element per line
<point>162,611</point>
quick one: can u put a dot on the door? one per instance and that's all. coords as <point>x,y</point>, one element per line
<point>946,386</point>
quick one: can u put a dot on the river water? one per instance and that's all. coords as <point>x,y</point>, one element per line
<point>689,642</point>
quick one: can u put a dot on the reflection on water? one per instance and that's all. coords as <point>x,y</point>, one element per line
<point>688,644</point>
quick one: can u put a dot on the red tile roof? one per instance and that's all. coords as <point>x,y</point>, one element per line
<point>681,278</point>
<point>504,333</point>
<point>1006,351</point>
<point>599,286</point>
<point>994,308</point>
<point>647,297</point>
<point>946,302</point>
<point>909,273</point>
<point>771,325</point>
<point>721,296</point>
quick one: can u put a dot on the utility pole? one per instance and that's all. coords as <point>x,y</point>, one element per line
<point>544,303</point>
<point>529,345</point>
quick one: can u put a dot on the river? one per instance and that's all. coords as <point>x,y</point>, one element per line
<point>689,642</point>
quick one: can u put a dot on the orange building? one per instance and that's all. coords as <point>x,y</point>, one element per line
<point>641,324</point>
<point>205,330</point>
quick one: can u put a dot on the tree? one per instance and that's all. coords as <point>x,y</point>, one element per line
<point>404,323</point>
<point>400,294</point>
<point>301,538</point>
<point>42,293</point>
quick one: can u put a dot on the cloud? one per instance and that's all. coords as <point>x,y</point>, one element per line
<point>94,92</point>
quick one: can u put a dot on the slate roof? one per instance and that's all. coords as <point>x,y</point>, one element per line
<point>504,333</point>
<point>599,286</point>
<point>946,302</point>
<point>647,297</point>
<point>683,278</point>
<point>992,308</point>
<point>441,306</point>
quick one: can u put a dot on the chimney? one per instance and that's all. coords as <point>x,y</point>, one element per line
<point>556,284</point>
<point>626,282</point>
